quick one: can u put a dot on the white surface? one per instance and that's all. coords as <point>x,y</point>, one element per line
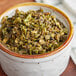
<point>52,2</point>
<point>49,66</point>
<point>73,46</point>
<point>73,54</point>
<point>71,5</point>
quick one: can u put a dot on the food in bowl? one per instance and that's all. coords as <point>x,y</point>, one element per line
<point>32,32</point>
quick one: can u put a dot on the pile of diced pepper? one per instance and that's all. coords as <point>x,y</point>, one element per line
<point>32,32</point>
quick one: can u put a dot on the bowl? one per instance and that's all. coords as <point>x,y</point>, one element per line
<point>48,64</point>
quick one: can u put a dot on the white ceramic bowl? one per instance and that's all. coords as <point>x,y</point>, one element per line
<point>48,64</point>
